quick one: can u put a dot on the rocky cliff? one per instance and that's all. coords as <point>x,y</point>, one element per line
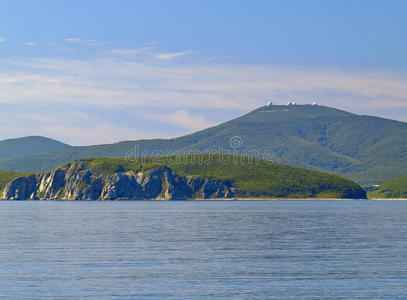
<point>76,182</point>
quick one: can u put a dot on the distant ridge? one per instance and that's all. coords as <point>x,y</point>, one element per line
<point>29,145</point>
<point>309,136</point>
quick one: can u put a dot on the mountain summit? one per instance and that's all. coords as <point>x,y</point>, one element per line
<point>309,136</point>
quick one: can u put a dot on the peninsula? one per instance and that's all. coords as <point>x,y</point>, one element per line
<point>177,178</point>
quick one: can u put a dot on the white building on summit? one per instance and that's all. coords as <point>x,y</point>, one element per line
<point>269,103</point>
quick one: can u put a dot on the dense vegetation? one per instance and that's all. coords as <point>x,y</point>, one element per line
<point>5,177</point>
<point>251,178</point>
<point>28,146</point>
<point>312,137</point>
<point>396,188</point>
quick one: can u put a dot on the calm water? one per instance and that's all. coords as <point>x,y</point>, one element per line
<point>204,250</point>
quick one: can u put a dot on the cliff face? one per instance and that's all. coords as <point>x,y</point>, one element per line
<point>74,182</point>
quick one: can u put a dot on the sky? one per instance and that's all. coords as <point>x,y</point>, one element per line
<point>92,72</point>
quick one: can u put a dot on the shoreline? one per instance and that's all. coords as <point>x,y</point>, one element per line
<point>227,199</point>
<point>387,199</point>
<point>274,199</point>
<point>209,199</point>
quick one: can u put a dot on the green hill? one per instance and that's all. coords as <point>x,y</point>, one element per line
<point>236,176</point>
<point>27,146</point>
<point>312,137</point>
<point>396,188</point>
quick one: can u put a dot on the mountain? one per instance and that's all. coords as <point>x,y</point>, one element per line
<point>31,145</point>
<point>396,188</point>
<point>178,178</point>
<point>308,136</point>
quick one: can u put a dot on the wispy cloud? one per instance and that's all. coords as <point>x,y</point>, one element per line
<point>185,119</point>
<point>2,39</point>
<point>77,40</point>
<point>217,58</point>
<point>96,133</point>
<point>183,96</point>
<point>170,56</point>
<point>73,40</point>
<point>70,126</point>
<point>120,82</point>
<point>30,43</point>
<point>130,51</point>
<point>96,42</point>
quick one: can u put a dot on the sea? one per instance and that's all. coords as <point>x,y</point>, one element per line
<point>203,249</point>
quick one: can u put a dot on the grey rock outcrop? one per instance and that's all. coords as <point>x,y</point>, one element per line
<point>74,182</point>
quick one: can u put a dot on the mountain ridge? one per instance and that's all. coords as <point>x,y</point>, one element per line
<point>16,147</point>
<point>314,137</point>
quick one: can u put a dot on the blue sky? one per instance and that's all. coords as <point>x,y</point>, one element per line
<point>88,72</point>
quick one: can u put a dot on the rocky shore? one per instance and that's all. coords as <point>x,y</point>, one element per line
<point>74,182</point>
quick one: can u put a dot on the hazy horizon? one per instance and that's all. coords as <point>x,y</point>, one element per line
<point>103,72</point>
<point>166,137</point>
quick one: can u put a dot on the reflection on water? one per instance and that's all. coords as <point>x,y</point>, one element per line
<point>203,250</point>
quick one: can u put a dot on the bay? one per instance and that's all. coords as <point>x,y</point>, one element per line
<point>203,250</point>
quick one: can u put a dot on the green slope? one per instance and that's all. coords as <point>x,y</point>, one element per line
<point>251,178</point>
<point>6,177</point>
<point>396,188</point>
<point>313,137</point>
<point>27,146</point>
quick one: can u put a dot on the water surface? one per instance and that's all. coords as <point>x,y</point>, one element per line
<point>203,250</point>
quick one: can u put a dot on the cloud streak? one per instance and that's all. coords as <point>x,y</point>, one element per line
<point>184,119</point>
<point>77,40</point>
<point>171,56</point>
<point>112,82</point>
<point>129,51</point>
<point>73,40</point>
<point>183,96</point>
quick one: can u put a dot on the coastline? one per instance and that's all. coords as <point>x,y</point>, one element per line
<point>222,199</point>
<point>208,199</point>
<point>386,199</point>
<point>274,199</point>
